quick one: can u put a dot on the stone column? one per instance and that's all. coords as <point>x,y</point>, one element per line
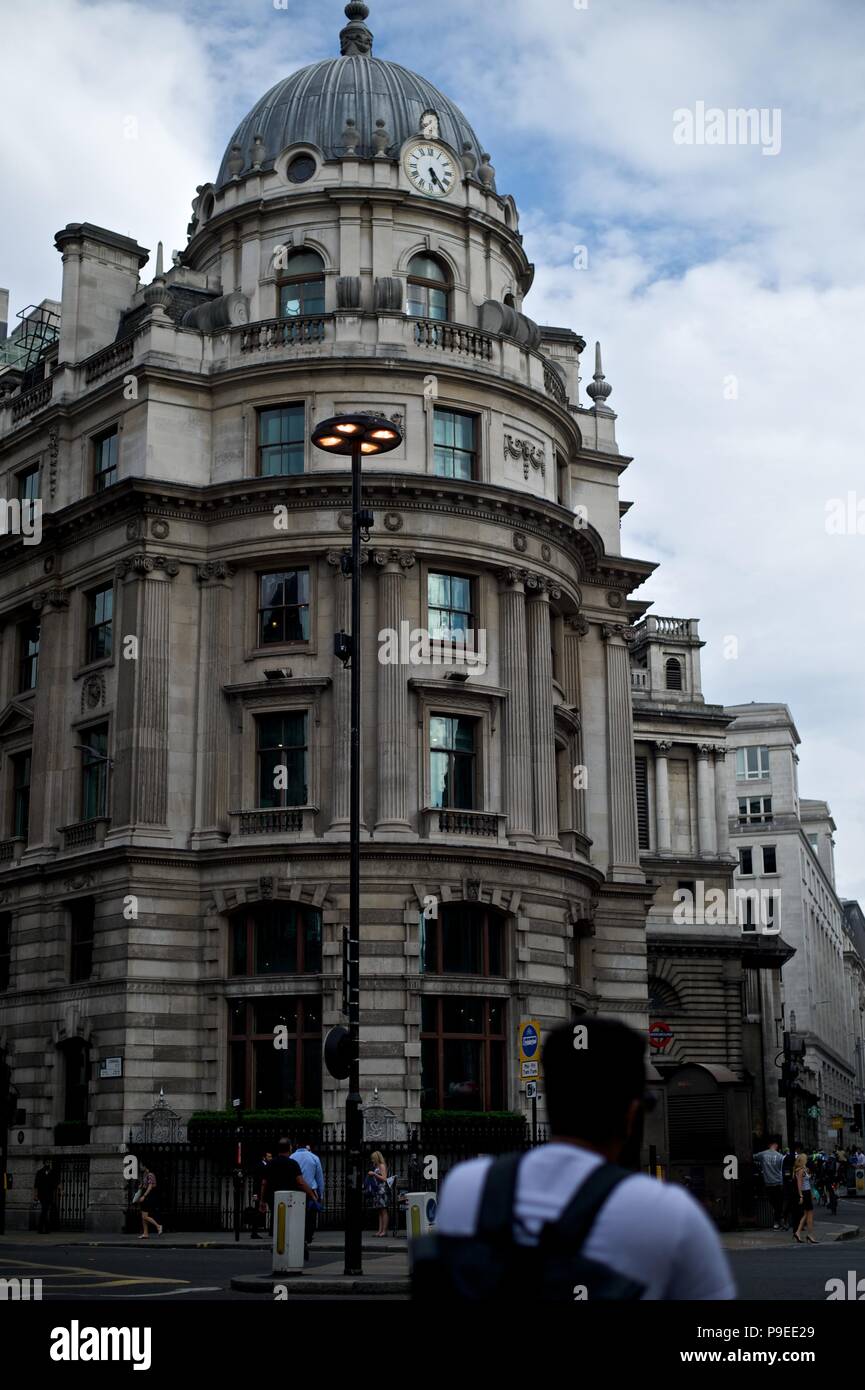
<point>213,738</point>
<point>52,737</point>
<point>516,743</point>
<point>393,709</point>
<point>722,812</point>
<point>340,822</point>
<point>624,858</point>
<point>706,801</point>
<point>576,627</point>
<point>539,591</point>
<point>141,744</point>
<point>662,797</point>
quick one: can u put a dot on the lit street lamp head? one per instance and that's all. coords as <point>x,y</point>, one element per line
<point>343,433</point>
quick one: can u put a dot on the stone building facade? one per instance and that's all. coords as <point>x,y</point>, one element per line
<point>784,846</point>
<point>714,986</point>
<point>174,723</point>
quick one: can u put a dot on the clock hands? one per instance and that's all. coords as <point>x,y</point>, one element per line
<point>434,177</point>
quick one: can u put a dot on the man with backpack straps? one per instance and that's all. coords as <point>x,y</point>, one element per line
<point>570,1220</point>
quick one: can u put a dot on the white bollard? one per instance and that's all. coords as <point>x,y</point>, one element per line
<point>420,1215</point>
<point>289,1222</point>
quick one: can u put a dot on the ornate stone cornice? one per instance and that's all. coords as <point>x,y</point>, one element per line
<point>57,598</point>
<point>405,559</point>
<point>214,569</point>
<point>146,564</point>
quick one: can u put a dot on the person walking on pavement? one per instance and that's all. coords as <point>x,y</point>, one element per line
<point>145,1201</point>
<point>802,1174</point>
<point>310,1167</point>
<point>771,1164</point>
<point>258,1206</point>
<point>284,1175</point>
<point>651,1236</point>
<point>47,1191</point>
<point>381,1192</point>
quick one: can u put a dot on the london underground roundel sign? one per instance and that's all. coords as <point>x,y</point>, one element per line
<point>660,1035</point>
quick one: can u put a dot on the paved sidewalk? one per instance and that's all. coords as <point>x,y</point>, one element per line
<point>331,1242</point>
<point>845,1225</point>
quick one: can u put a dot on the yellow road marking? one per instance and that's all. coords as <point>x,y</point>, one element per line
<point>110,1277</point>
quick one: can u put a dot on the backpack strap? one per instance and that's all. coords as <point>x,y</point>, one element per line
<point>495,1219</point>
<point>573,1226</point>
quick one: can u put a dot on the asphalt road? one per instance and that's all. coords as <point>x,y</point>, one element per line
<point>797,1273</point>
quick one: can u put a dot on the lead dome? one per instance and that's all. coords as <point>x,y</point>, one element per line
<point>312,106</point>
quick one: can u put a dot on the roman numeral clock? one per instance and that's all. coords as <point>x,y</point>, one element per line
<point>430,168</point>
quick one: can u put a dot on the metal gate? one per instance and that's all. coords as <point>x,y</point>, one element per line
<point>74,1173</point>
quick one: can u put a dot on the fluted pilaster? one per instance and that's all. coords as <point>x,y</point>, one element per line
<point>706,800</point>
<point>50,731</point>
<point>624,848</point>
<point>141,777</point>
<point>213,735</point>
<point>662,797</point>
<point>393,712</point>
<point>575,629</point>
<point>539,591</point>
<point>517,760</point>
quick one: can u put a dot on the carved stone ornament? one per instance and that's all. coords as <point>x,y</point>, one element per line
<point>473,890</point>
<point>578,625</point>
<point>546,552</point>
<point>663,745</point>
<point>265,887</point>
<point>75,885</point>
<point>531,454</point>
<point>146,564</point>
<point>615,599</point>
<point>404,558</point>
<point>510,577</point>
<point>159,529</point>
<point>343,521</point>
<point>93,692</point>
<point>214,569</point>
<point>135,529</point>
<point>51,598</point>
<point>48,564</point>
<point>393,521</point>
<point>53,456</point>
<point>539,586</point>
<point>520,542</point>
<point>609,631</point>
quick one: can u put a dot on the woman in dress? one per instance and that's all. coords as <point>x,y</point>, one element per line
<point>378,1172</point>
<point>145,1201</point>
<point>802,1176</point>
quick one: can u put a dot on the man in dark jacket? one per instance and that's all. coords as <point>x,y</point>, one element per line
<point>47,1192</point>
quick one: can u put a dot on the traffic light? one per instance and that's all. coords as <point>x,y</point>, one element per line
<point>337,1052</point>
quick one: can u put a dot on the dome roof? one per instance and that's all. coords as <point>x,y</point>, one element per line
<point>312,106</point>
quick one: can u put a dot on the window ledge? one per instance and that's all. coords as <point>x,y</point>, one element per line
<point>101,665</point>
<point>291,685</point>
<point>85,832</point>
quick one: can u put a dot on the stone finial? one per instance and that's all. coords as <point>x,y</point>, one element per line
<point>486,172</point>
<point>235,161</point>
<point>469,158</point>
<point>156,294</point>
<point>159,265</point>
<point>380,139</point>
<point>259,152</point>
<point>350,137</point>
<point>600,388</point>
<point>355,40</point>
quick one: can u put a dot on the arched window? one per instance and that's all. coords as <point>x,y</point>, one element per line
<point>428,285</point>
<point>663,997</point>
<point>301,286</point>
<point>673,670</point>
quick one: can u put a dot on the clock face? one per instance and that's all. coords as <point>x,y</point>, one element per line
<point>430,169</point>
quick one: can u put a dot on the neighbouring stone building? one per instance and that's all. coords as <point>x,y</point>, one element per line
<point>714,985</point>
<point>785,852</point>
<point>166,901</point>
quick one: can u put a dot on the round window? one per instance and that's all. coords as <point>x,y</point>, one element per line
<point>301,168</point>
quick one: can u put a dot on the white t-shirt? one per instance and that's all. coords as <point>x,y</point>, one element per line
<point>650,1231</point>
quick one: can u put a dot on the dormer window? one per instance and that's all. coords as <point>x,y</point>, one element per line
<point>301,286</point>
<point>428,285</point>
<point>673,671</point>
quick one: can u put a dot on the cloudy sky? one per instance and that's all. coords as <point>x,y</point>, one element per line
<point>727,285</point>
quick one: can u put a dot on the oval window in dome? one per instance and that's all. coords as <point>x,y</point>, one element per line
<point>301,168</point>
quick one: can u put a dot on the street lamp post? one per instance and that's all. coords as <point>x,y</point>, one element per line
<point>357,435</point>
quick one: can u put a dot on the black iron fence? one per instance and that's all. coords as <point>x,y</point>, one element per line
<point>196,1182</point>
<point>74,1170</point>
